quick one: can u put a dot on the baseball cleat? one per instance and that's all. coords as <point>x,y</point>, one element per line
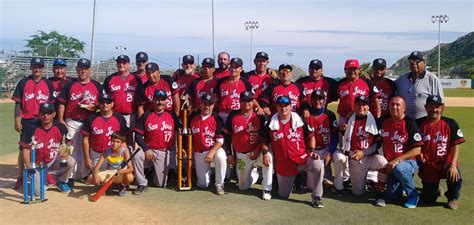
<point>380,202</point>
<point>411,202</point>
<point>317,203</point>
<point>453,204</point>
<point>122,190</point>
<point>63,187</point>
<point>220,190</point>
<point>140,189</point>
<point>266,195</point>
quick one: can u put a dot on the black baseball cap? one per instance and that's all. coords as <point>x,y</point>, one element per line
<point>285,66</point>
<point>237,61</point>
<point>47,108</point>
<point>141,56</point>
<point>416,55</point>
<point>434,99</point>
<point>37,61</point>
<point>208,99</point>
<point>84,63</point>
<point>208,62</point>
<point>361,98</point>
<point>152,67</point>
<point>160,94</point>
<point>122,58</point>
<point>246,96</point>
<point>379,63</point>
<point>283,100</point>
<point>315,64</point>
<point>188,59</point>
<point>318,94</point>
<point>105,97</point>
<point>59,62</point>
<point>261,55</point>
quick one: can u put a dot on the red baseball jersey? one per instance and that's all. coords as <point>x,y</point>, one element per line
<point>322,127</point>
<point>260,83</point>
<point>143,77</point>
<point>205,130</point>
<point>361,139</point>
<point>124,91</point>
<point>58,84</point>
<point>48,140</point>
<point>288,145</point>
<point>228,93</point>
<point>198,87</point>
<point>244,130</point>
<point>75,93</point>
<point>325,84</point>
<point>158,129</point>
<point>30,94</point>
<point>184,81</point>
<point>438,140</point>
<point>165,83</point>
<point>399,137</point>
<point>293,90</point>
<point>100,128</point>
<point>221,74</point>
<point>386,88</point>
<point>348,91</point>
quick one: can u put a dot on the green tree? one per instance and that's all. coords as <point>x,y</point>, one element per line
<point>365,70</point>
<point>54,44</point>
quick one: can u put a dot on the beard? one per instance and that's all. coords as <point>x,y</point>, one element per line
<point>188,71</point>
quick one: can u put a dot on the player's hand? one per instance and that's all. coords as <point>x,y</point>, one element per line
<point>253,155</point>
<point>422,158</point>
<point>391,165</point>
<point>95,179</point>
<point>149,155</point>
<point>266,160</point>
<point>358,155</point>
<point>454,173</point>
<point>342,127</point>
<point>231,159</point>
<point>260,111</point>
<point>121,171</point>
<point>210,156</point>
<point>314,155</point>
<point>266,111</point>
<point>306,113</point>
<point>89,163</point>
<point>18,127</point>
<point>91,107</point>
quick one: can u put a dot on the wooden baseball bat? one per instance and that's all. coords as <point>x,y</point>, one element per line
<point>109,182</point>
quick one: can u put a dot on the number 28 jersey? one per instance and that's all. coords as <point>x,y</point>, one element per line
<point>399,137</point>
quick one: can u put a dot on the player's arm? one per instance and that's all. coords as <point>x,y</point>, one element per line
<point>16,116</point>
<point>96,170</point>
<point>140,110</point>
<point>453,166</point>
<point>176,102</point>
<point>129,164</point>
<point>86,152</point>
<point>219,139</point>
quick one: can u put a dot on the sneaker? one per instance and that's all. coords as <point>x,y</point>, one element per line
<point>317,203</point>
<point>340,193</point>
<point>412,201</point>
<point>380,202</point>
<point>85,180</point>
<point>140,189</point>
<point>453,204</point>
<point>70,182</point>
<point>18,184</point>
<point>346,184</point>
<point>63,187</point>
<point>51,179</point>
<point>266,195</point>
<point>122,190</point>
<point>220,190</point>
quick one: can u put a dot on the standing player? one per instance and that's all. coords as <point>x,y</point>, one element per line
<point>401,142</point>
<point>204,85</point>
<point>440,153</point>
<point>124,88</point>
<point>284,87</point>
<point>242,136</point>
<point>48,134</point>
<point>207,141</point>
<point>141,60</point>
<point>223,60</point>
<point>155,134</point>
<point>60,77</point>
<point>228,89</point>
<point>185,76</point>
<point>385,86</point>
<point>157,82</point>
<point>98,129</point>
<point>293,150</point>
<point>29,93</point>
<point>259,78</point>
<point>314,81</point>
<point>77,101</point>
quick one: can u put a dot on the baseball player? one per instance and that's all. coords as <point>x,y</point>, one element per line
<point>185,76</point>
<point>124,88</point>
<point>293,150</point>
<point>141,60</point>
<point>223,71</point>
<point>98,128</point>
<point>207,141</point>
<point>401,142</point>
<point>314,81</point>
<point>205,84</point>
<point>77,101</point>
<point>48,133</point>
<point>158,82</point>
<point>29,93</point>
<point>385,86</point>
<point>60,77</point>
<point>242,135</point>
<point>259,78</point>
<point>155,134</point>
<point>360,141</point>
<point>228,89</point>
<point>440,153</point>
<point>284,87</point>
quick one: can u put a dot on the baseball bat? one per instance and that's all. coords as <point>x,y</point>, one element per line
<point>25,184</point>
<point>109,182</point>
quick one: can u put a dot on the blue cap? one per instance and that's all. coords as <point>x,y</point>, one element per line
<point>285,66</point>
<point>160,94</point>
<point>207,98</point>
<point>316,64</point>
<point>188,59</point>
<point>285,99</point>
<point>261,55</point>
<point>416,55</point>
<point>59,62</point>
<point>141,56</point>
<point>246,96</point>
<point>237,61</point>
<point>318,94</point>
<point>362,98</point>
<point>123,58</point>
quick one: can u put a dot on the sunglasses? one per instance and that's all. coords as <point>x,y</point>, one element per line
<point>46,113</point>
<point>105,102</point>
<point>283,100</point>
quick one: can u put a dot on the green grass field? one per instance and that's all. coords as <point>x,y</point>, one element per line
<point>458,92</point>
<point>201,206</point>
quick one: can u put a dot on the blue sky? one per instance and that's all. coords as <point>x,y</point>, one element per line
<point>331,31</point>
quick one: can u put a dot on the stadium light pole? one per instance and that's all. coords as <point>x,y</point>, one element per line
<point>93,37</point>
<point>290,54</point>
<point>251,25</point>
<point>439,19</point>
<point>213,41</point>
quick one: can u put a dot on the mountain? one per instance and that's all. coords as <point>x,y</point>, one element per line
<point>457,59</point>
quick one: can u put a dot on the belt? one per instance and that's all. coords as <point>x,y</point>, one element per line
<point>161,150</point>
<point>78,120</point>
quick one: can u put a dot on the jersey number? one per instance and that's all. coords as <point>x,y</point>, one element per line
<point>441,149</point>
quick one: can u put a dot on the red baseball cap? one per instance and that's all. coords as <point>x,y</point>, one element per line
<point>351,63</point>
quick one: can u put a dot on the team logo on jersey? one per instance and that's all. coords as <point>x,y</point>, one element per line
<point>460,133</point>
<point>417,137</point>
<point>376,90</point>
<point>335,123</point>
<point>174,85</point>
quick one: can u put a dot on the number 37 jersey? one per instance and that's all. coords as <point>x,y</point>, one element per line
<point>399,137</point>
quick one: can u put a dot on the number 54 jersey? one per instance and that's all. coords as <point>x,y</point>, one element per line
<point>399,137</point>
